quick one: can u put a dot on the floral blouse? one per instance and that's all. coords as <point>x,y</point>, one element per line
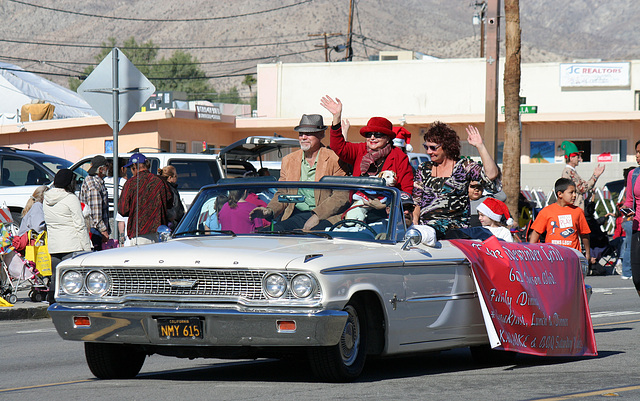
<point>444,201</point>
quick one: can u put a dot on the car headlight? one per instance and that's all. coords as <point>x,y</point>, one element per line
<point>302,285</point>
<point>71,282</point>
<point>97,282</point>
<point>275,285</point>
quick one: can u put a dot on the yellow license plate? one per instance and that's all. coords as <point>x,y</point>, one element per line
<point>180,327</point>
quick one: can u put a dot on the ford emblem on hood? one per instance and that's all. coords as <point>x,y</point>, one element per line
<point>182,283</point>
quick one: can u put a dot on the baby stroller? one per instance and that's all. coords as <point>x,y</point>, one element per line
<point>17,273</point>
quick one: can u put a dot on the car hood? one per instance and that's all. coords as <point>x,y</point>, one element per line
<point>244,252</point>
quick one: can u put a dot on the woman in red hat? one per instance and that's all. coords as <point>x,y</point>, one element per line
<point>376,154</point>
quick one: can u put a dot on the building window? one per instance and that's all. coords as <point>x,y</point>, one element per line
<point>165,146</point>
<point>181,147</point>
<point>197,146</point>
<point>542,152</point>
<point>585,147</point>
<point>637,105</point>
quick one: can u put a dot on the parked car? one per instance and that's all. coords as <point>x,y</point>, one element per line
<point>21,172</point>
<point>335,295</point>
<point>416,159</point>
<point>255,152</point>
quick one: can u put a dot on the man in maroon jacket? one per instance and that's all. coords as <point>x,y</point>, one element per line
<point>144,200</point>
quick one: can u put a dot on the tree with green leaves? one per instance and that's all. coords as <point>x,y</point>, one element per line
<point>249,80</point>
<point>180,72</point>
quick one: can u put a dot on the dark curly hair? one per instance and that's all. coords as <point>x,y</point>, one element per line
<point>444,135</point>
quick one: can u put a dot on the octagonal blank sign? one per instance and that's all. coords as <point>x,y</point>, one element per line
<point>131,87</point>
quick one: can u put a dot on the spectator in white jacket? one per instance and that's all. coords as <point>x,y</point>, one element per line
<point>66,228</point>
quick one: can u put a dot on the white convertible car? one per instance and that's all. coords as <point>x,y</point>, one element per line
<point>237,287</point>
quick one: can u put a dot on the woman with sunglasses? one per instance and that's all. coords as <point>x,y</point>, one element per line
<point>442,184</point>
<point>373,156</point>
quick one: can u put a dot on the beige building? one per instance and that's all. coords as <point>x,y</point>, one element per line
<point>598,112</point>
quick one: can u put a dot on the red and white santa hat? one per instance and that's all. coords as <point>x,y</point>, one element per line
<point>402,139</point>
<point>495,210</point>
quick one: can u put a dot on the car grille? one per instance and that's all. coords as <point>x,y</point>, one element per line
<point>217,283</point>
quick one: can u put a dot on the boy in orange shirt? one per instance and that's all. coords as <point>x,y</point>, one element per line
<point>563,222</point>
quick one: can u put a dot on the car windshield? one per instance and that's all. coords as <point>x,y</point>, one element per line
<point>54,163</point>
<point>320,210</point>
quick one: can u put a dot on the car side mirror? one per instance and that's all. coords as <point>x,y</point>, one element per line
<point>411,238</point>
<point>164,233</point>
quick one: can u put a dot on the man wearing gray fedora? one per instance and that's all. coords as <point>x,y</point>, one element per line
<point>312,162</point>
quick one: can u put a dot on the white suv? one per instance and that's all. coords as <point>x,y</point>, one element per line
<point>194,170</point>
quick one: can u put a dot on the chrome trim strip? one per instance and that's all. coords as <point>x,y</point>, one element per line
<point>418,263</point>
<point>440,262</point>
<point>440,298</point>
<point>363,266</point>
<point>212,300</point>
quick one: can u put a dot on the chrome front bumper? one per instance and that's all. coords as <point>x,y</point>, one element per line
<point>221,327</point>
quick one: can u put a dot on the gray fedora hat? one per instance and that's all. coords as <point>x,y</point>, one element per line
<point>311,123</point>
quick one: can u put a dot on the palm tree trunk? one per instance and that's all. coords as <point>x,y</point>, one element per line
<point>512,137</point>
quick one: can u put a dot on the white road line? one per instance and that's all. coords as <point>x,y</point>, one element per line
<point>595,290</point>
<point>611,313</point>
<point>36,331</point>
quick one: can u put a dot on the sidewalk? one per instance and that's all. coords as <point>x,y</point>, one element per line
<point>25,308</point>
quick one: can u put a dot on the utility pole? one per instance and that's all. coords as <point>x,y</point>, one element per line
<point>491,96</point>
<point>482,39</point>
<point>513,128</point>
<point>349,55</point>
<point>326,45</point>
<point>479,18</point>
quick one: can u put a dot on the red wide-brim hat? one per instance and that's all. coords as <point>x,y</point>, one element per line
<point>379,124</point>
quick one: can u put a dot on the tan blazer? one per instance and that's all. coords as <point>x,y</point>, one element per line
<point>328,203</point>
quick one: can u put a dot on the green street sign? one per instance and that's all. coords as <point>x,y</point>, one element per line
<point>525,109</point>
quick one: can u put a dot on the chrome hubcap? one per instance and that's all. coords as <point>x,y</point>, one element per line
<point>350,339</point>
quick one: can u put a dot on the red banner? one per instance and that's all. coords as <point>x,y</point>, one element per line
<point>532,296</point>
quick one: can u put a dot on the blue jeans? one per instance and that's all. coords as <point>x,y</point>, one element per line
<point>627,226</point>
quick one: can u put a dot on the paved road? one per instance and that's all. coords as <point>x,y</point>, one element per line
<point>36,364</point>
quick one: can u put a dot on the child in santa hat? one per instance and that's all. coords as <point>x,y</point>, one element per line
<point>494,216</point>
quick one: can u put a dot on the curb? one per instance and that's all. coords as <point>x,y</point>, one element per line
<point>24,312</point>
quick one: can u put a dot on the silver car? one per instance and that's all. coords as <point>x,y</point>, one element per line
<point>337,294</point>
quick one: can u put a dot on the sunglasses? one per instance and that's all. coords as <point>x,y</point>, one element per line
<point>408,208</point>
<point>377,135</point>
<point>432,148</point>
<point>476,186</point>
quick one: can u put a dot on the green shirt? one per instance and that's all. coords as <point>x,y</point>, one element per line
<point>307,173</point>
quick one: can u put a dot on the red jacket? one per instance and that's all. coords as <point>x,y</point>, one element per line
<point>352,153</point>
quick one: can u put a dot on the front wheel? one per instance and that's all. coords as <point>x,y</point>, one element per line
<point>114,361</point>
<point>344,361</point>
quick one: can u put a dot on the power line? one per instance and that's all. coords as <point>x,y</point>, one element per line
<point>384,43</point>
<point>157,19</point>
<point>227,75</point>
<point>51,62</point>
<point>32,42</point>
